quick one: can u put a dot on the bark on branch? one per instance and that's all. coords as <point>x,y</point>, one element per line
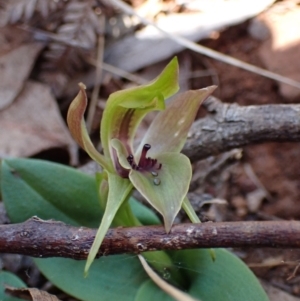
<point>39,238</point>
<point>225,127</point>
<point>229,126</point>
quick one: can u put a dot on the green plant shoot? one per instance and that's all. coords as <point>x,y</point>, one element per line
<point>156,168</point>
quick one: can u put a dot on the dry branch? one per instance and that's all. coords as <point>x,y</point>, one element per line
<point>39,238</point>
<point>225,127</point>
<point>229,126</point>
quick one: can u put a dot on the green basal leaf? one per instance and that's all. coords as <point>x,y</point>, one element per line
<point>169,130</point>
<point>48,190</point>
<point>125,109</point>
<point>174,291</point>
<point>166,190</point>
<point>119,190</point>
<point>77,126</point>
<point>225,279</point>
<point>143,214</point>
<point>162,263</point>
<point>10,279</point>
<point>149,291</point>
<point>110,278</point>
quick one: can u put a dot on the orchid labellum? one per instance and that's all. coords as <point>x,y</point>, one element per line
<point>156,168</point>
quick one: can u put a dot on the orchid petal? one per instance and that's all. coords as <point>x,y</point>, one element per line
<point>168,131</point>
<point>119,190</point>
<point>102,184</point>
<point>119,156</point>
<point>77,126</point>
<point>190,211</point>
<point>165,188</point>
<point>122,153</point>
<point>125,109</point>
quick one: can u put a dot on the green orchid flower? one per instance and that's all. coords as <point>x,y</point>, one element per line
<point>156,168</point>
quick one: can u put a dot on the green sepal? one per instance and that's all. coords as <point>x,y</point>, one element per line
<point>166,191</point>
<point>77,126</point>
<point>125,109</point>
<point>225,279</point>
<point>9,279</point>
<point>149,291</point>
<point>169,130</point>
<point>119,190</point>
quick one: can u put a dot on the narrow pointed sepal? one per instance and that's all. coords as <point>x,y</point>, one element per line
<point>169,130</point>
<point>119,190</point>
<point>165,188</point>
<point>77,126</point>
<point>76,114</point>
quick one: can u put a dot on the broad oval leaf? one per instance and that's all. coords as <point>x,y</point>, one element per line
<point>48,190</point>
<point>226,278</point>
<point>7,278</point>
<point>149,291</point>
<point>110,278</point>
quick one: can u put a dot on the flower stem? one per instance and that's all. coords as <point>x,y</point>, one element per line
<point>189,210</point>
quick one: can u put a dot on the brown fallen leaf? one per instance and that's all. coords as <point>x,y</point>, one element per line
<point>33,294</point>
<point>151,46</point>
<point>32,123</point>
<point>15,69</point>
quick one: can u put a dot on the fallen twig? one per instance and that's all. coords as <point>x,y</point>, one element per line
<point>229,126</point>
<point>39,238</point>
